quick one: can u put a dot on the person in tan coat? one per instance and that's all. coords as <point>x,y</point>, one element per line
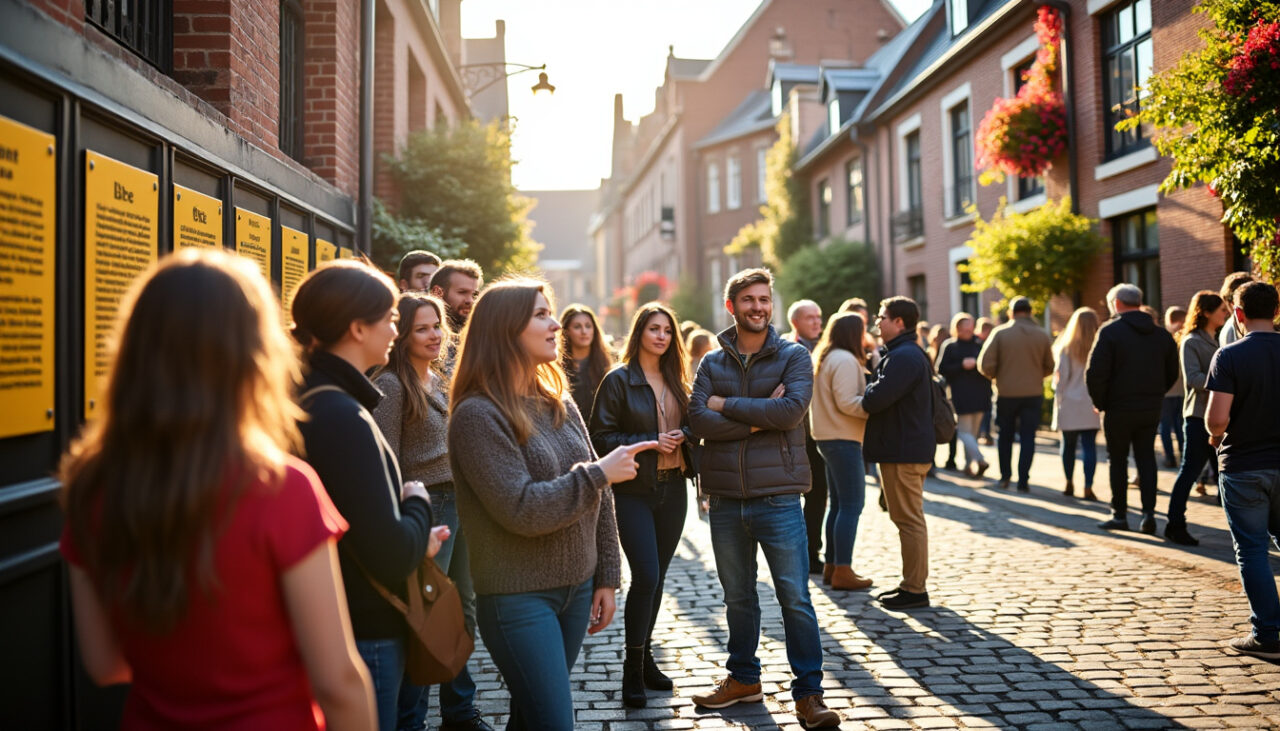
<point>1017,358</point>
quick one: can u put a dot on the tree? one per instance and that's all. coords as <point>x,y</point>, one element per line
<point>1037,254</point>
<point>785,226</point>
<point>456,180</point>
<point>394,235</point>
<point>1217,114</point>
<point>831,274</point>
<point>692,302</point>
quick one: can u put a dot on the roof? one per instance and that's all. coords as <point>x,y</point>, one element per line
<point>754,114</point>
<point>843,80</point>
<point>798,73</point>
<point>686,68</point>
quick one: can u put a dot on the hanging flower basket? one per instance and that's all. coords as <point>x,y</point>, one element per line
<point>1021,136</point>
<point>649,287</point>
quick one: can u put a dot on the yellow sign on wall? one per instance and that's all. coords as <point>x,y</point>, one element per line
<point>197,219</point>
<point>293,265</point>
<point>27,241</point>
<point>345,253</point>
<point>253,239</point>
<point>121,203</point>
<point>325,251</point>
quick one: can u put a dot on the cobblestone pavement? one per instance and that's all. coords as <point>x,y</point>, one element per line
<point>1039,621</point>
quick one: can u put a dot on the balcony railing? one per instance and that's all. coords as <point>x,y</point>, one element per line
<point>908,225</point>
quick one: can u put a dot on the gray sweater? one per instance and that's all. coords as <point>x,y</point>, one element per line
<point>537,515</point>
<point>421,448</point>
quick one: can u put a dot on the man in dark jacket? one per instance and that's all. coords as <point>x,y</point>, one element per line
<point>748,406</point>
<point>900,437</point>
<point>1133,364</point>
<point>805,317</point>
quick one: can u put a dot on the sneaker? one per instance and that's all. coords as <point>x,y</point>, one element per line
<point>727,692</point>
<point>902,599</point>
<point>1115,524</point>
<point>813,713</point>
<point>1148,525</point>
<point>475,723</point>
<point>1253,646</point>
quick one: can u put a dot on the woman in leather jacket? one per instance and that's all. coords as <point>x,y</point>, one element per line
<point>647,398</point>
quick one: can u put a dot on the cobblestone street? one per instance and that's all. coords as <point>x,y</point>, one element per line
<point>1039,621</point>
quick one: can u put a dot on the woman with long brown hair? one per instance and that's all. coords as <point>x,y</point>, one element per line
<point>583,354</point>
<point>1197,342</point>
<point>203,566</point>
<point>1073,412</point>
<point>344,316</point>
<point>838,424</point>
<point>414,417</point>
<point>534,500</point>
<point>645,399</point>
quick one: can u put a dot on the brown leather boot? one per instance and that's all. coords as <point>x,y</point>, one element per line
<point>843,578</point>
<point>813,713</point>
<point>827,570</point>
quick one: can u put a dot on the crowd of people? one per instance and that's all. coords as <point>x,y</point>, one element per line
<point>262,510</point>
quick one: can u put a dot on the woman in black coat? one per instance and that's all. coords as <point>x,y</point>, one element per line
<point>970,390</point>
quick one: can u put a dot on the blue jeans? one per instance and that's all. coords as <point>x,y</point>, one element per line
<point>1171,425</point>
<point>457,697</point>
<point>1196,452</point>
<point>847,485</point>
<point>776,524</point>
<point>1088,439</point>
<point>1251,501</point>
<point>385,660</point>
<point>649,528</point>
<point>1021,415</point>
<point>534,638</point>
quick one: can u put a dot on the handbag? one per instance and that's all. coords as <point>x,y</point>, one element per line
<point>439,643</point>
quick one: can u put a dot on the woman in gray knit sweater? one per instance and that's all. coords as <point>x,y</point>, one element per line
<point>534,501</point>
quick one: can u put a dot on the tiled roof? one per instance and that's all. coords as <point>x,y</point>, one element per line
<point>755,113</point>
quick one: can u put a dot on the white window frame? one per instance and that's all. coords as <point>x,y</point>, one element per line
<point>958,12</point>
<point>955,255</point>
<point>960,95</point>
<point>733,183</point>
<point>1130,201</point>
<point>833,116</point>
<point>713,187</point>
<point>902,131</point>
<point>762,175</point>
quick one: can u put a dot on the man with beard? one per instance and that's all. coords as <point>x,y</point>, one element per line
<point>805,317</point>
<point>748,406</point>
<point>457,282</point>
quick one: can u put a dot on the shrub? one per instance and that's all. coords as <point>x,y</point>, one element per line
<point>831,274</point>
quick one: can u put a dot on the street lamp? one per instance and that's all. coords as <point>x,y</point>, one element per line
<point>476,77</point>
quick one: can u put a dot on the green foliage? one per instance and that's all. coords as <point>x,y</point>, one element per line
<point>786,225</point>
<point>691,302</point>
<point>456,180</point>
<point>1036,254</point>
<point>829,275</point>
<point>393,236</point>
<point>1217,114</point>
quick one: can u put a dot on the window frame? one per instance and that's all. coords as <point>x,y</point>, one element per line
<point>1140,256</point>
<point>291,125</point>
<point>157,47</point>
<point>733,183</point>
<point>822,222</point>
<point>1118,144</point>
<point>1024,188</point>
<point>960,140</point>
<point>713,187</point>
<point>854,192</point>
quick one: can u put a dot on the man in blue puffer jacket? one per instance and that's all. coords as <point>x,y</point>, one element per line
<point>748,406</point>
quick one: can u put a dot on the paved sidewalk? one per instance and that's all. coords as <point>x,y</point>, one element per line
<point>1040,621</point>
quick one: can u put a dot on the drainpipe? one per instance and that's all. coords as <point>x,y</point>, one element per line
<point>364,212</point>
<point>1068,99</point>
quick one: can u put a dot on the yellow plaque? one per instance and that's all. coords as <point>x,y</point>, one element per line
<point>293,264</point>
<point>325,251</point>
<point>345,253</point>
<point>121,203</point>
<point>253,239</point>
<point>27,241</point>
<point>197,220</point>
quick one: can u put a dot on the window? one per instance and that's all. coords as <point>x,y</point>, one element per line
<point>292,80</point>
<point>916,288</point>
<point>959,15</point>
<point>1137,253</point>
<point>733,196</point>
<point>142,26</point>
<point>961,193</point>
<point>1126,65</point>
<point>833,116</point>
<point>969,301</point>
<point>713,188</point>
<point>853,193</point>
<point>823,223</point>
<point>914,190</point>
<point>1026,187</point>
<point>762,174</point>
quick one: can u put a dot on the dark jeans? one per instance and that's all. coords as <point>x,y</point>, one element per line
<point>457,697</point>
<point>1171,425</point>
<point>385,660</point>
<point>1017,415</point>
<point>985,429</point>
<point>1251,501</point>
<point>1121,430</point>
<point>739,530</point>
<point>534,638</point>
<point>1195,454</point>
<point>1088,439</point>
<point>649,528</point>
<point>815,501</point>
<point>848,486</point>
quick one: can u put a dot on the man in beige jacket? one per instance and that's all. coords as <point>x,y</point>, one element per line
<point>1017,358</point>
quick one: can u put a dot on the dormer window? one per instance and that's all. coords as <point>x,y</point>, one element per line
<point>776,101</point>
<point>833,116</point>
<point>959,10</point>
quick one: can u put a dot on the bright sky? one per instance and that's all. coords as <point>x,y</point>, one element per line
<point>594,49</point>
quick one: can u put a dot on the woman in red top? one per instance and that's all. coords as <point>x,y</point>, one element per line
<point>204,566</point>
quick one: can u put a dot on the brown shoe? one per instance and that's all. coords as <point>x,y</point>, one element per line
<point>727,692</point>
<point>813,713</point>
<point>827,571</point>
<point>844,578</point>
<point>1088,495</point>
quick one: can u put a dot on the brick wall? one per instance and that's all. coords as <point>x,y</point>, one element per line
<point>332,119</point>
